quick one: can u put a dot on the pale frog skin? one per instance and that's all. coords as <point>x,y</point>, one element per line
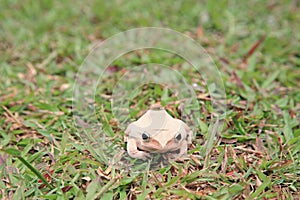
<point>157,132</point>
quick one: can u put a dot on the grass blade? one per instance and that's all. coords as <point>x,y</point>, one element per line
<point>17,153</point>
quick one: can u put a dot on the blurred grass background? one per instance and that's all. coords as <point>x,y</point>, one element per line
<point>43,43</point>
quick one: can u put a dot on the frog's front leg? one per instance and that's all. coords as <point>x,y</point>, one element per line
<point>133,151</point>
<point>182,151</point>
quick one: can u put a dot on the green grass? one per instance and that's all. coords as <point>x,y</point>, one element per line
<point>256,156</point>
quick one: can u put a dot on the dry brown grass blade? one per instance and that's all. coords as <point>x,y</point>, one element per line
<point>253,48</point>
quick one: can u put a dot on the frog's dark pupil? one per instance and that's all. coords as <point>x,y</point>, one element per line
<point>178,137</point>
<point>145,136</point>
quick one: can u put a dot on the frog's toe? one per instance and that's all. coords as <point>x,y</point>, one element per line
<point>171,156</point>
<point>140,155</point>
<point>146,156</point>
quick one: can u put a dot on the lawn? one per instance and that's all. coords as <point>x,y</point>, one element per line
<point>53,147</point>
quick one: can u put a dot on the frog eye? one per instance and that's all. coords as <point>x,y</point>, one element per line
<point>178,137</point>
<point>145,137</point>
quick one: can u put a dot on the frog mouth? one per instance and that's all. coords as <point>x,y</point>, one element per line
<point>177,151</point>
